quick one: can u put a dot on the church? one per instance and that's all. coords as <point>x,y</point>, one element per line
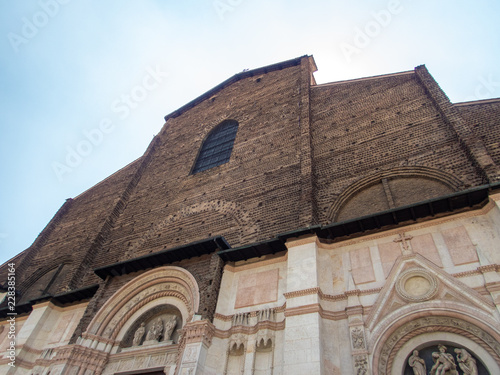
<point>276,226</point>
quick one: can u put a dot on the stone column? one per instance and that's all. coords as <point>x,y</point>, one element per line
<point>302,350</point>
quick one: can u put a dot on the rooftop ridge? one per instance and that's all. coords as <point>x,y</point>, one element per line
<point>407,72</point>
<point>474,102</point>
<point>235,78</point>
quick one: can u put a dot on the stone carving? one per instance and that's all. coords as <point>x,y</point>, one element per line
<point>191,354</point>
<point>358,339</point>
<point>417,364</point>
<point>139,334</point>
<point>155,330</point>
<point>444,324</point>
<point>416,285</point>
<point>361,365</point>
<point>444,363</point>
<point>169,326</point>
<point>240,319</point>
<point>265,314</point>
<point>466,362</point>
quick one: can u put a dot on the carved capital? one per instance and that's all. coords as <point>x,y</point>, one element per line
<point>200,331</point>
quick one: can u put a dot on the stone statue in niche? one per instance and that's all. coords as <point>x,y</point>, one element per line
<point>466,362</point>
<point>417,364</point>
<point>169,327</point>
<point>139,334</point>
<point>444,363</point>
<point>155,330</point>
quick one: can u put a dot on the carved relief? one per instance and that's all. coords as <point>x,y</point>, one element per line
<point>361,365</point>
<point>155,331</point>
<point>432,324</point>
<point>161,282</point>
<point>417,364</point>
<point>139,334</point>
<point>444,363</point>
<point>466,362</point>
<point>357,338</point>
<point>416,285</point>
<point>170,324</point>
<point>240,319</point>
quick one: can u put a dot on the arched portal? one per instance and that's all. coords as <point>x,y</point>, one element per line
<point>425,333</point>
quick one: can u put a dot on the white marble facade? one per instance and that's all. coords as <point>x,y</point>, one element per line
<point>376,304</point>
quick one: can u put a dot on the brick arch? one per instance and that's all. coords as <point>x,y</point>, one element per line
<point>448,181</point>
<point>247,225</point>
<point>32,279</point>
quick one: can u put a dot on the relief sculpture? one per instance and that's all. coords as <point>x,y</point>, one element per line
<point>444,363</point>
<point>139,334</point>
<point>466,362</point>
<point>155,331</point>
<point>417,364</point>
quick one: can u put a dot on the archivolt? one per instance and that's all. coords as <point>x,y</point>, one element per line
<point>153,285</point>
<point>387,346</point>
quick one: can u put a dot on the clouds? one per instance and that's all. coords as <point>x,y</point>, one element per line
<point>85,55</point>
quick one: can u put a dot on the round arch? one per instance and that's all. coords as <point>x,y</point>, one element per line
<point>446,180</point>
<point>389,347</point>
<point>161,286</point>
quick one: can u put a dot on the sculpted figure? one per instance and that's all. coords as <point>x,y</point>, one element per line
<point>139,334</point>
<point>155,331</point>
<point>466,362</point>
<point>169,326</point>
<point>444,363</point>
<point>417,363</point>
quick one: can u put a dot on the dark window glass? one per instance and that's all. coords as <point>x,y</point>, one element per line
<point>216,149</point>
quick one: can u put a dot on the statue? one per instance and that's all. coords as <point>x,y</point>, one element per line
<point>169,326</point>
<point>139,334</point>
<point>444,363</point>
<point>417,363</point>
<point>155,331</point>
<point>466,362</point>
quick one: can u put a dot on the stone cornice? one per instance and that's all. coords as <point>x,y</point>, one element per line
<point>410,227</point>
<point>246,265</point>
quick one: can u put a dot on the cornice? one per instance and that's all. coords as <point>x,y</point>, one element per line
<point>410,227</point>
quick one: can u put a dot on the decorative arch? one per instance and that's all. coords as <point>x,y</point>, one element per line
<point>431,326</point>
<point>161,286</point>
<point>247,225</point>
<point>448,181</point>
<point>50,272</point>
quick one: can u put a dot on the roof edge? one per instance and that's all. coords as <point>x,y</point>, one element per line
<point>235,78</point>
<point>476,102</point>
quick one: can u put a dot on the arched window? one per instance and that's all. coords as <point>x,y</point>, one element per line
<point>217,147</point>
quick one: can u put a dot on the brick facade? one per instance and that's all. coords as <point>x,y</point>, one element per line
<point>304,155</point>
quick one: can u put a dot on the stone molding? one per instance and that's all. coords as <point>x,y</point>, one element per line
<point>412,274</point>
<point>410,227</point>
<point>161,282</point>
<point>77,355</point>
<point>247,265</point>
<point>199,331</point>
<point>385,353</point>
<point>303,240</point>
<point>331,297</point>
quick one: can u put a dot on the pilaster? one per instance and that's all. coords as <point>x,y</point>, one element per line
<point>302,348</point>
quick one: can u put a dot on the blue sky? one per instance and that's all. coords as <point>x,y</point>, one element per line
<point>84,85</point>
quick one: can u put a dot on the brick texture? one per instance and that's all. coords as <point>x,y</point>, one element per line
<point>302,154</point>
